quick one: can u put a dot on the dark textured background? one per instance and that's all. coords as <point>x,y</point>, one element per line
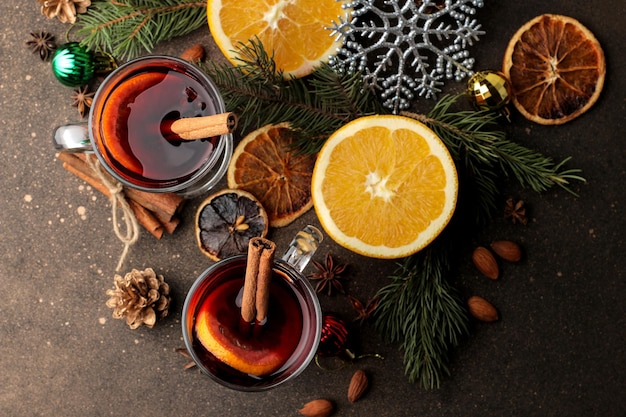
<point>558,349</point>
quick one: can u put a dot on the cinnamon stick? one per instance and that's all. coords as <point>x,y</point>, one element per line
<point>258,277</point>
<point>166,205</point>
<point>263,281</point>
<point>146,219</point>
<point>88,179</point>
<point>169,224</point>
<point>193,128</point>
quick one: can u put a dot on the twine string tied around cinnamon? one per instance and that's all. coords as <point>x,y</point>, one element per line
<point>118,202</point>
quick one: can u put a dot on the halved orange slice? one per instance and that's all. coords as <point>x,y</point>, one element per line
<point>556,67</point>
<point>293,31</point>
<point>384,186</point>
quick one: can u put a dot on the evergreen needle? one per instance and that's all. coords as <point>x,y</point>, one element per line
<point>127,28</point>
<point>422,312</point>
<point>315,106</point>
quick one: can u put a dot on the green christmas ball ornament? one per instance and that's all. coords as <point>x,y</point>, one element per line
<point>74,65</point>
<point>489,90</point>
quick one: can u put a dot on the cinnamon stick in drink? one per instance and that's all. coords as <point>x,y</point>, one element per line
<point>193,128</point>
<point>248,301</point>
<point>259,269</point>
<point>264,280</point>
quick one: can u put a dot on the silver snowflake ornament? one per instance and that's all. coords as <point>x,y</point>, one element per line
<point>406,48</point>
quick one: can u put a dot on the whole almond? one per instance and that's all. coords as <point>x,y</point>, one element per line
<point>507,250</point>
<point>194,53</point>
<point>485,262</point>
<point>482,309</point>
<point>317,408</point>
<point>358,385</point>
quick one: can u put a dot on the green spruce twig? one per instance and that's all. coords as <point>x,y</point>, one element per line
<point>315,106</point>
<point>474,139</point>
<point>126,28</point>
<point>485,156</point>
<point>422,312</point>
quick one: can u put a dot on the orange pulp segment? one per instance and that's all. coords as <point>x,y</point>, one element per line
<point>294,31</point>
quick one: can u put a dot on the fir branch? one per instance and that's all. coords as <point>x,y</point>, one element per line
<point>315,106</point>
<point>473,138</point>
<point>422,312</point>
<point>127,28</point>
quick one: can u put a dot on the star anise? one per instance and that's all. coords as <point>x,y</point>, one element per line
<point>515,211</point>
<point>329,275</point>
<point>41,43</point>
<point>82,100</point>
<point>364,311</point>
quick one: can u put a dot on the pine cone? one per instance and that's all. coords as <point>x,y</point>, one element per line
<point>139,297</point>
<point>64,10</point>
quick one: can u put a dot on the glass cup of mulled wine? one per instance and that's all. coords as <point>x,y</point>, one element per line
<point>126,129</point>
<point>272,352</point>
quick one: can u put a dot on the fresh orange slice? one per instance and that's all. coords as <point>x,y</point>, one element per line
<point>556,68</point>
<point>294,31</point>
<point>384,186</point>
<point>265,165</point>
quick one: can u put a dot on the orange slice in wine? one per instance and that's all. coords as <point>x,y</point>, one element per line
<point>259,352</point>
<point>115,115</point>
<point>229,349</point>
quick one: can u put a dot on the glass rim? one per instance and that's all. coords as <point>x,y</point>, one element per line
<point>316,324</point>
<point>223,147</point>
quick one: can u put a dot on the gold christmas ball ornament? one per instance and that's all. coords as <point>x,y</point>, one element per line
<point>489,90</point>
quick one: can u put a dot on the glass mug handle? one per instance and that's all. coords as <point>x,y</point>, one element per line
<point>73,137</point>
<point>302,247</point>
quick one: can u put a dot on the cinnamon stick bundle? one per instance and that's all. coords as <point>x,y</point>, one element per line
<point>254,304</point>
<point>155,212</point>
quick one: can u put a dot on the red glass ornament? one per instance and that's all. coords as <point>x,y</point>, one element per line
<point>335,336</point>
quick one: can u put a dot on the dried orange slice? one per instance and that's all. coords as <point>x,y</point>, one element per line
<point>294,31</point>
<point>265,165</point>
<point>384,186</point>
<point>556,68</point>
<point>226,221</point>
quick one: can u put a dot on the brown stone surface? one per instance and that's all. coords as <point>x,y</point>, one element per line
<point>557,350</point>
